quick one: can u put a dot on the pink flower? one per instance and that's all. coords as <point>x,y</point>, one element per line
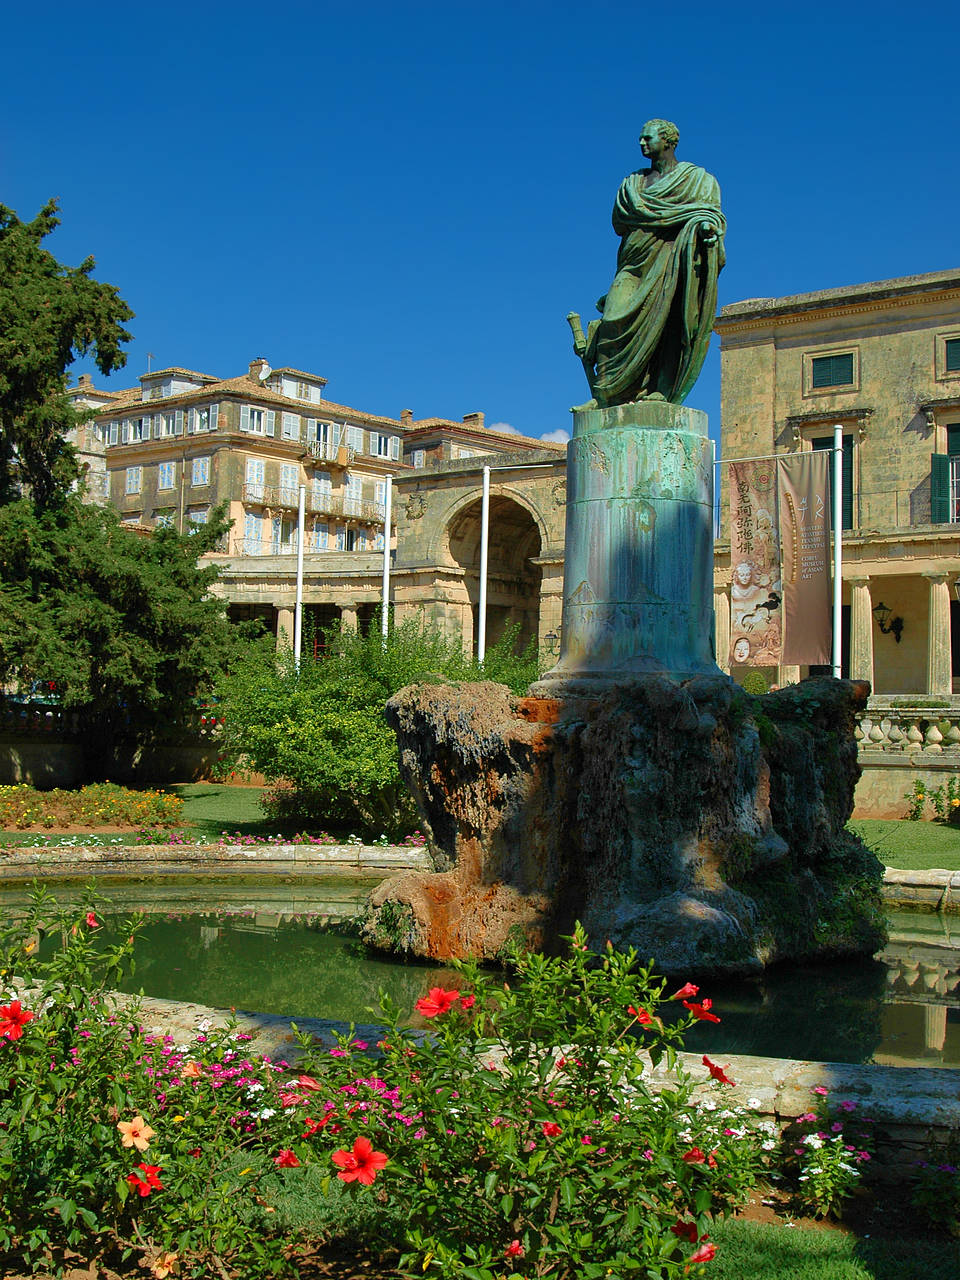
<point>91,919</point>
<point>551,1130</point>
<point>647,1155</point>
<point>694,1156</point>
<point>287,1159</point>
<point>359,1044</point>
<point>818,1088</point>
<point>436,1001</point>
<point>847,1106</point>
<point>514,1250</point>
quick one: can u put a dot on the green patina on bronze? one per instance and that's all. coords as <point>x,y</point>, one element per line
<point>656,317</point>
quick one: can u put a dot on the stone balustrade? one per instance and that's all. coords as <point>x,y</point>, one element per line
<point>909,729</point>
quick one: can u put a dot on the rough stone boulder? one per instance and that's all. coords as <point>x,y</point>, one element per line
<point>701,825</point>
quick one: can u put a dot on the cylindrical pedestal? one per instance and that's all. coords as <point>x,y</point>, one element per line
<point>638,570</point>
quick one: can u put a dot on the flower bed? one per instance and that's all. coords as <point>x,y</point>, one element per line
<point>479,1150</point>
<point>103,804</point>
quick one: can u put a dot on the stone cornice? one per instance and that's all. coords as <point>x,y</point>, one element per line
<point>807,307</point>
<point>859,412</point>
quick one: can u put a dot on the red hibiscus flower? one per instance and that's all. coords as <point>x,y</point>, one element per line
<point>717,1072</point>
<point>686,992</point>
<point>704,1253</point>
<point>694,1156</point>
<point>514,1250</point>
<point>13,1019</point>
<point>314,1125</point>
<point>309,1083</point>
<point>144,1179</point>
<point>701,1011</point>
<point>436,1001</point>
<point>468,1001</point>
<point>685,1231</point>
<point>641,1016</point>
<point>92,922</point>
<point>287,1159</point>
<point>362,1164</point>
<point>551,1130</point>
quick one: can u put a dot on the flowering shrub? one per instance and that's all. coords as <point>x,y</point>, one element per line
<point>520,1137</point>
<point>829,1147</point>
<point>936,1194</point>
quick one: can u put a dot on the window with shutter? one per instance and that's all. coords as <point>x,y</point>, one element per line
<point>311,430</point>
<point>166,475</point>
<point>291,426</point>
<point>245,418</point>
<point>952,355</point>
<point>418,457</point>
<point>214,417</point>
<point>290,484</point>
<point>253,486</point>
<point>179,422</point>
<point>124,432</point>
<point>846,514</point>
<point>201,471</point>
<point>354,439</point>
<point>132,480</point>
<point>395,447</point>
<point>832,371</point>
<point>271,422</point>
<point>114,432</point>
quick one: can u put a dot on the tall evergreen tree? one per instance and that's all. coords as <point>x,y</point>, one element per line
<point>49,315</point>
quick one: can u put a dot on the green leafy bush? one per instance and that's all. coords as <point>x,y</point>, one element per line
<point>936,1195</point>
<point>320,732</point>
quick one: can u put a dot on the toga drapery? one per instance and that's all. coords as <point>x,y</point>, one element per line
<point>659,311</point>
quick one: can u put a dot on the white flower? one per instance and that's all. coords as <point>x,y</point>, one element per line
<point>254,1088</point>
<point>265,1114</point>
<point>708,1104</point>
<point>754,1104</point>
<point>769,1145</point>
<point>811,1140</point>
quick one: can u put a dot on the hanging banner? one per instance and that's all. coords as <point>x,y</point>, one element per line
<point>756,625</point>
<point>804,492</point>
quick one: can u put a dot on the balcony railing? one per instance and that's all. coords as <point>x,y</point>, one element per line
<point>317,502</point>
<point>238,545</point>
<point>906,730</point>
<point>324,451</point>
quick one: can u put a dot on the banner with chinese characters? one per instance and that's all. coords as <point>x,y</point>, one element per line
<point>756,625</point>
<point>804,494</point>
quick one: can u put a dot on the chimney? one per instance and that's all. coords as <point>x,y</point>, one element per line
<point>473,420</point>
<point>406,417</point>
<point>85,381</point>
<point>256,367</point>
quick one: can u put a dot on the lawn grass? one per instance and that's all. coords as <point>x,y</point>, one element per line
<point>911,846</point>
<point>758,1251</point>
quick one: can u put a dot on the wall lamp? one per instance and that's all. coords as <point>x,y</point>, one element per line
<point>551,643</point>
<point>886,623</point>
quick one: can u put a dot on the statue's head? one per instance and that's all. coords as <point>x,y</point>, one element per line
<point>663,130</point>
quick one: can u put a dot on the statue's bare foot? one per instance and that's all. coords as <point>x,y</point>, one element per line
<point>654,395</point>
<point>583,408</point>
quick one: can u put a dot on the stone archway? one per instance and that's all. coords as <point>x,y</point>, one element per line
<point>513,577</point>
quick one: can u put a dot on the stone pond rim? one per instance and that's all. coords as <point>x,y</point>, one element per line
<point>701,825</point>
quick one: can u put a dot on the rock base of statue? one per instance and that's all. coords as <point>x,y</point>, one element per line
<point>638,559</point>
<point>685,818</point>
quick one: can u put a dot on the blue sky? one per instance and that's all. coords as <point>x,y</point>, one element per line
<point>409,198</point>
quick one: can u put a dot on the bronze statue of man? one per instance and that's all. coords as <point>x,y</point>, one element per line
<point>657,315</point>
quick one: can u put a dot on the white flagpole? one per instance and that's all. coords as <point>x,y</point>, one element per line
<point>385,590</point>
<point>298,612</point>
<point>837,544</point>
<point>484,548</point>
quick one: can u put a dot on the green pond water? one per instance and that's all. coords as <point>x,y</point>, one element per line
<point>268,947</point>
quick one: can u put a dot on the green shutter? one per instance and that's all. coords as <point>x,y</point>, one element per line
<point>939,488</point>
<point>953,355</point>
<point>953,439</point>
<point>846,479</point>
<point>832,371</point>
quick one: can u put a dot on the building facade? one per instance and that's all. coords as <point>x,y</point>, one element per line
<point>183,442</point>
<point>881,360</point>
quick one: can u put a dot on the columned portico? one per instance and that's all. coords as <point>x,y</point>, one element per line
<point>939,669</point>
<point>861,630</point>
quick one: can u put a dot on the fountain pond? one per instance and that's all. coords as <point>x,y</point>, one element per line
<point>269,946</point>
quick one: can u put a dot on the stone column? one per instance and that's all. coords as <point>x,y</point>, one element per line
<point>348,616</point>
<point>284,627</point>
<point>939,675</point>
<point>861,630</point>
<point>721,627</point>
